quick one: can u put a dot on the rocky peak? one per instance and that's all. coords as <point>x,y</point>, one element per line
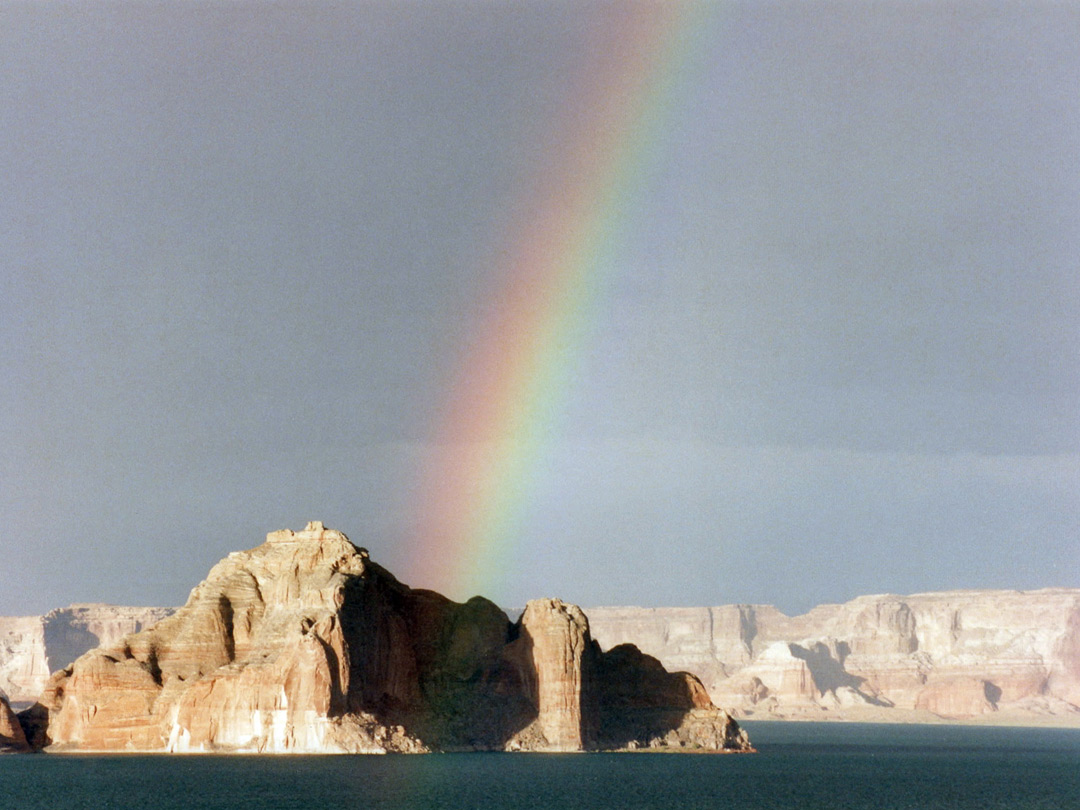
<point>303,644</point>
<point>554,645</point>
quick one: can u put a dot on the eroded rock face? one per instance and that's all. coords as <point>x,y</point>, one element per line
<point>11,733</point>
<point>33,646</point>
<point>620,699</point>
<point>24,667</point>
<point>639,702</point>
<point>551,653</point>
<point>956,655</point>
<point>304,644</point>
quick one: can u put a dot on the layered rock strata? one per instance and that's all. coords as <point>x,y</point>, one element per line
<point>994,656</point>
<point>24,666</point>
<point>33,646</point>
<point>998,656</point>
<point>622,699</point>
<point>304,644</point>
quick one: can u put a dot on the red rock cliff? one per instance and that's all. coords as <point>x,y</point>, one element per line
<point>304,644</point>
<point>11,733</point>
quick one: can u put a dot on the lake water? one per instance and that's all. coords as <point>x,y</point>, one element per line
<point>800,765</point>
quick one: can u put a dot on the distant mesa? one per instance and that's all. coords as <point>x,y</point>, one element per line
<point>305,645</point>
<point>436,675</point>
<point>1003,657</point>
<point>33,646</point>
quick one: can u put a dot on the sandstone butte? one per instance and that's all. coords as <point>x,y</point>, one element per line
<point>305,645</point>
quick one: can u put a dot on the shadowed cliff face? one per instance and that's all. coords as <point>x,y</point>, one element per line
<point>584,698</point>
<point>11,733</point>
<point>303,644</point>
<point>639,702</point>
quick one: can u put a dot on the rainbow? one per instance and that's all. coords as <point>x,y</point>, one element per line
<point>505,400</point>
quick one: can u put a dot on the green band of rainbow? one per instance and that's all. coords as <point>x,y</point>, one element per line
<point>506,399</point>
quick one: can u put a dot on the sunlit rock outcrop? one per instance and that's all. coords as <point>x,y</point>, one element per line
<point>552,656</point>
<point>24,666</point>
<point>33,646</point>
<point>305,645</point>
<point>1009,656</point>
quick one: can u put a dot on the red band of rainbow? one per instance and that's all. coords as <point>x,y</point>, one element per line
<point>507,395</point>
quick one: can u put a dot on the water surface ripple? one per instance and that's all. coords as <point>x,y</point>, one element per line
<point>800,765</point>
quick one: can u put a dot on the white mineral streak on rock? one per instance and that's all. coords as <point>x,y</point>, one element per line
<point>303,645</point>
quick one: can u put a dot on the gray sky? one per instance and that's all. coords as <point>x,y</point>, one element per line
<point>243,245</point>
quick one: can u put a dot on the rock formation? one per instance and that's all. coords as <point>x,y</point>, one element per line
<point>993,656</point>
<point>1000,656</point>
<point>33,646</point>
<point>304,644</point>
<point>12,738</point>
<point>24,667</point>
<point>552,654</point>
<point>585,698</point>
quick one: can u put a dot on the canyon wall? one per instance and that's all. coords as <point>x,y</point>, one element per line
<point>993,656</point>
<point>24,667</point>
<point>305,645</point>
<point>996,656</point>
<point>33,646</point>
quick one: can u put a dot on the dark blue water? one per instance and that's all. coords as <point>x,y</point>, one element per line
<point>800,765</point>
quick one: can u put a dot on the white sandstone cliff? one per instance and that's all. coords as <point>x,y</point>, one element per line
<point>999,656</point>
<point>32,647</point>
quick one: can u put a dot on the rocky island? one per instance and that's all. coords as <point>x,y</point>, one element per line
<point>305,645</point>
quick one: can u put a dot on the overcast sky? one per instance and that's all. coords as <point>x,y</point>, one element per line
<point>242,246</point>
